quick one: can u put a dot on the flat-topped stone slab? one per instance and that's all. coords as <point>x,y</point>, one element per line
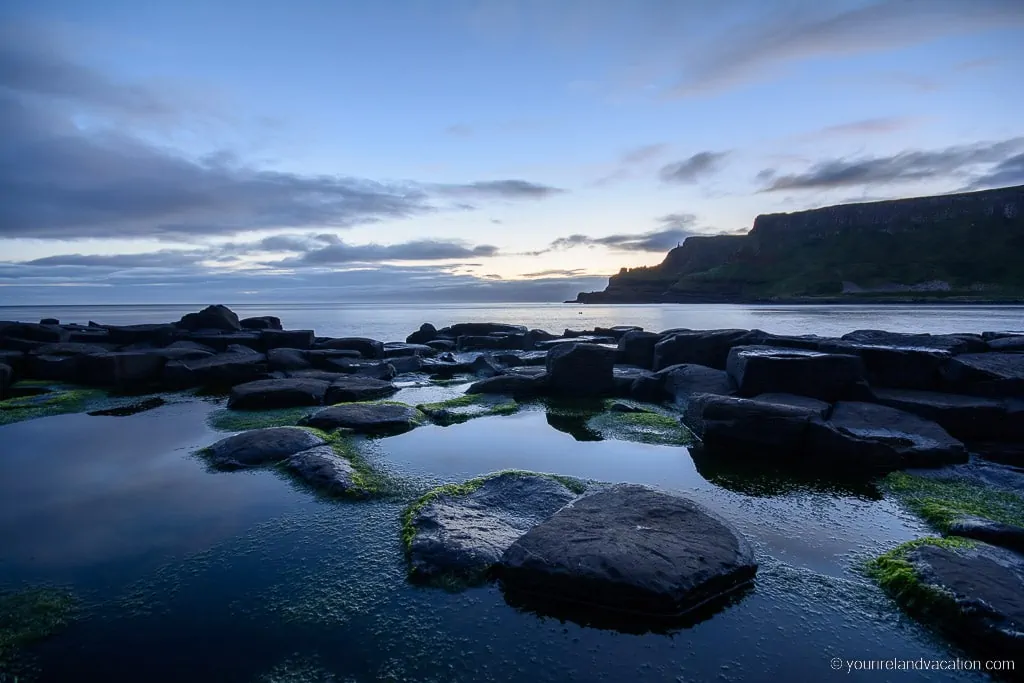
<point>278,393</point>
<point>370,418</point>
<point>259,447</point>
<point>767,369</point>
<point>358,388</point>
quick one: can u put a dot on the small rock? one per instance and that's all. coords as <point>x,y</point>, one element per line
<point>325,471</point>
<point>261,447</point>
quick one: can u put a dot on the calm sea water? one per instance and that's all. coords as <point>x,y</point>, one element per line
<point>392,322</point>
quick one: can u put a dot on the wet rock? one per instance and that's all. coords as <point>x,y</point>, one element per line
<point>277,393</point>
<point>426,333</point>
<point>383,371</point>
<point>369,348</point>
<point>405,364</point>
<point>261,447</point>
<point>900,367</point>
<point>986,374</point>
<point>290,339</point>
<point>968,418</point>
<point>866,436</point>
<point>15,360</point>
<point>466,534</point>
<point>739,427</point>
<point>130,409</point>
<point>441,344</point>
<point>6,380</point>
<point>580,369</point>
<point>356,388</point>
<point>630,548</point>
<point>511,385</point>
<point>216,317</point>
<point>124,368</point>
<point>819,408</point>
<point>484,366</point>
<point>825,376</point>
<point>679,382</point>
<point>48,334</point>
<point>288,360</point>
<point>582,339</point>
<point>981,591</point>
<point>224,370</point>
<point>72,349</point>
<point>369,418</point>
<point>400,349</point>
<point>157,335</point>
<point>1014,344</point>
<point>58,368</point>
<point>625,376</point>
<point>995,533</point>
<point>617,331</point>
<point>702,347</point>
<point>263,322</point>
<point>489,342</point>
<point>479,329</point>
<point>326,471</point>
<point>952,343</point>
<point>49,321</point>
<point>227,342</point>
<point>192,346</point>
<point>636,347</point>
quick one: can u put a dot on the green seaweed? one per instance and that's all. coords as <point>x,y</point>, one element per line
<point>31,615</point>
<point>940,502</point>
<point>650,425</point>
<point>466,407</point>
<point>227,420</point>
<point>894,573</point>
<point>60,400</point>
<point>369,481</point>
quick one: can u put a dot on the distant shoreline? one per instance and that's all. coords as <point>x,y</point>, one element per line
<point>819,302</point>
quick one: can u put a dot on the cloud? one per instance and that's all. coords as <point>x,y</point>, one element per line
<point>63,180</point>
<point>882,125</point>
<point>1006,173</point>
<point>459,130</point>
<point>160,259</point>
<point>823,29</point>
<point>694,168</point>
<point>902,167</point>
<point>630,161</point>
<point>639,155</point>
<point>676,227</point>
<point>417,250</point>
<point>555,273</point>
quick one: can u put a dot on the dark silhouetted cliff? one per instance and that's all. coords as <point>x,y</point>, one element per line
<point>967,246</point>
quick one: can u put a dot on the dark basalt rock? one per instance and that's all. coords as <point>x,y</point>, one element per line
<point>124,368</point>
<point>130,409</point>
<point>72,349</point>
<point>484,366</point>
<point>633,549</point>
<point>636,347</point>
<point>58,368</point>
<point>820,409</point>
<point>1014,344</point>
<point>370,418</point>
<point>290,339</point>
<point>441,344</point>
<point>369,348</point>
<point>217,317</point>
<point>986,374</point>
<point>6,380</point>
<point>401,349</point>
<point>512,385</point>
<point>157,334</point>
<point>679,382</point>
<point>968,418</point>
<point>740,428</point>
<point>952,343</point>
<point>702,347</point>
<point>826,376</point>
<point>426,333</point>
<point>582,339</point>
<point>49,321</point>
<point>260,447</point>
<point>899,367</point>
<point>263,322</point>
<point>579,369</point>
<point>1004,535</point>
<point>865,436</point>
<point>466,535</point>
<point>325,471</point>
<point>356,388</point>
<point>32,332</point>
<point>277,393</point>
<point>490,342</point>
<point>288,360</point>
<point>617,331</point>
<point>479,330</point>
<point>224,370</point>
<point>222,342</point>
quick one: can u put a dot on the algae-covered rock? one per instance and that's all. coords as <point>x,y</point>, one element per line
<point>261,447</point>
<point>368,418</point>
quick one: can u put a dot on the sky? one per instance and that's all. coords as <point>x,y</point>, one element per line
<point>467,150</point>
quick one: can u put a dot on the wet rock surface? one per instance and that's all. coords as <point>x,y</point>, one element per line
<point>356,388</point>
<point>260,447</point>
<point>323,469</point>
<point>370,418</point>
<point>826,376</point>
<point>580,369</point>
<point>278,393</point>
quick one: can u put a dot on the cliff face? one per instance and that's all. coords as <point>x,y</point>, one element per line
<point>961,245</point>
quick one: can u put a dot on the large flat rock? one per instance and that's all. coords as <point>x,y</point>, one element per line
<point>825,376</point>
<point>633,549</point>
<point>369,418</point>
<point>970,418</point>
<point>358,388</point>
<point>701,347</point>
<point>278,393</point>
<point>260,447</point>
<point>986,374</point>
<point>581,369</point>
<point>467,534</point>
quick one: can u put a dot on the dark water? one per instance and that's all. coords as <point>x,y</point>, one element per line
<point>191,575</point>
<point>391,322</point>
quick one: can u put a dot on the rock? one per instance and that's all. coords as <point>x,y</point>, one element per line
<point>369,348</point>
<point>584,339</point>
<point>968,418</point>
<point>579,369</point>
<point>288,360</point>
<point>982,590</point>
<point>952,343</point>
<point>260,447</point>
<point>479,329</point>
<point>826,376</point>
<point>534,337</point>
<point>130,409</point>
<point>868,437</point>
<point>368,418</point>
<point>818,408</point>
<point>995,533</point>
<point>277,393</point>
<point>489,342</point>
<point>484,366</point>
<point>124,368</point>
<point>426,333</point>
<point>625,376</point>
<point>157,335</point>
<point>702,347</point>
<point>287,339</point>
<point>900,367</point>
<point>15,360</point>
<point>227,342</point>
<point>6,380</point>
<point>617,332</point>
<point>401,349</point>
<point>60,368</point>
<point>49,321</point>
<point>72,349</point>
<point>511,385</point>
<point>986,374</point>
<point>326,471</point>
<point>87,336</point>
<point>335,360</point>
<point>263,322</point>
<point>636,347</point>
<point>379,370</point>
<point>192,346</point>
<point>355,388</point>
<point>441,344</point>
<point>620,407</point>
<point>38,333</point>
<point>405,364</point>
<point>739,427</point>
<point>216,317</point>
<point>1013,344</point>
<point>680,381</point>
<point>224,370</point>
<point>633,549</point>
<point>465,535</point>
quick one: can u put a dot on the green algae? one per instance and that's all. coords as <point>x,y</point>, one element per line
<point>940,502</point>
<point>895,574</point>
<point>227,420</point>
<point>647,424</point>
<point>369,480</point>
<point>61,399</point>
<point>466,407</point>
<point>30,615</point>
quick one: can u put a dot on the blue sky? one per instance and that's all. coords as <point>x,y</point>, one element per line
<point>467,149</point>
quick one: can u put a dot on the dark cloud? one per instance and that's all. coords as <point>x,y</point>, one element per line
<point>693,169</point>
<point>65,181</point>
<point>820,29</point>
<point>418,250</point>
<point>1006,173</point>
<point>556,273</point>
<point>160,259</point>
<point>905,166</point>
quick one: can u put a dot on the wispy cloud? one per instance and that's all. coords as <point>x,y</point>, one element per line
<point>693,169</point>
<point>675,228</point>
<point>876,126</point>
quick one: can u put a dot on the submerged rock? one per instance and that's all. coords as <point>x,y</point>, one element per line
<point>464,529</point>
<point>326,471</point>
<point>372,418</point>
<point>996,533</point>
<point>633,549</point>
<point>261,447</point>
<point>278,393</point>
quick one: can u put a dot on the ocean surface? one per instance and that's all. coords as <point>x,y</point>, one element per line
<point>393,322</point>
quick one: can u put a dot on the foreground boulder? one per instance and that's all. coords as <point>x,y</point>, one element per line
<point>986,374</point>
<point>739,427</point>
<point>260,447</point>
<point>826,376</point>
<point>463,530</point>
<point>969,418</point>
<point>679,382</point>
<point>278,393</point>
<point>369,418</point>
<point>633,549</point>
<point>327,472</point>
<point>576,369</point>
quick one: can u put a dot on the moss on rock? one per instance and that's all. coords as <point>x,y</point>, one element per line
<point>227,420</point>
<point>940,502</point>
<point>643,424</point>
<point>466,407</point>
<point>30,615</point>
<point>61,399</point>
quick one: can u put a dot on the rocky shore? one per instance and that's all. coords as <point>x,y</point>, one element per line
<point>949,408</point>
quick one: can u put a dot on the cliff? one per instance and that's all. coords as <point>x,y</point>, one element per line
<point>967,246</point>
